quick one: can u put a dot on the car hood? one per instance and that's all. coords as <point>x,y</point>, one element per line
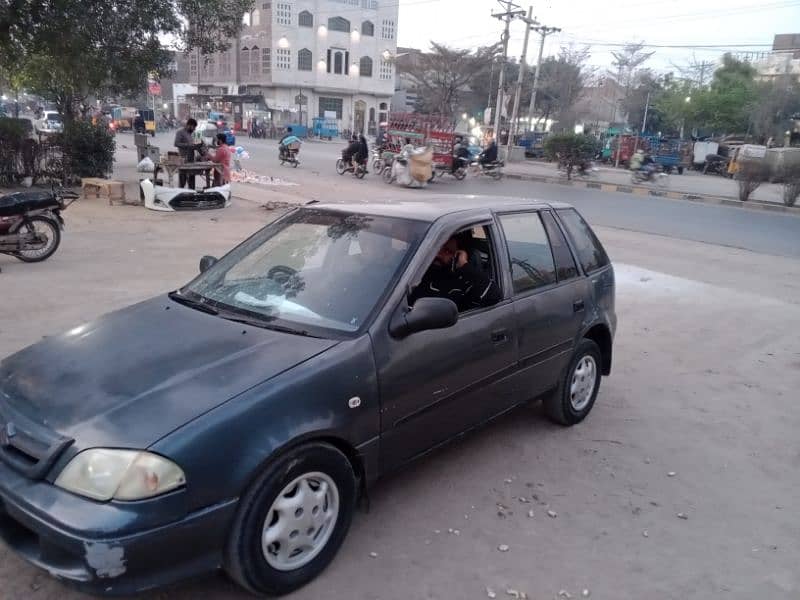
<point>133,376</point>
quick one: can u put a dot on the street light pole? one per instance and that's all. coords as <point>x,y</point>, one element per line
<point>543,31</point>
<point>529,22</point>
<point>506,16</point>
<point>644,124</point>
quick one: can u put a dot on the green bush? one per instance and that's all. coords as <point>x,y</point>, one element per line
<point>88,149</point>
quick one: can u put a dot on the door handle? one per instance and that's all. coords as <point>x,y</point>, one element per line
<point>500,335</point>
<point>578,306</point>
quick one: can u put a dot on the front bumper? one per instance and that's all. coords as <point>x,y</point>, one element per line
<point>97,547</point>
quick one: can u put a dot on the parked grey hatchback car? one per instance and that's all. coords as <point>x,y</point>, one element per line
<point>235,422</point>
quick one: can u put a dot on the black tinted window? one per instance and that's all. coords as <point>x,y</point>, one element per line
<point>529,251</point>
<point>565,263</point>
<point>590,251</point>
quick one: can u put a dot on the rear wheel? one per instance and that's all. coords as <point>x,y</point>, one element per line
<point>340,166</point>
<point>292,520</point>
<point>44,237</point>
<point>577,391</point>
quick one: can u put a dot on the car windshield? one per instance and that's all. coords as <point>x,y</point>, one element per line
<point>55,117</point>
<point>314,268</point>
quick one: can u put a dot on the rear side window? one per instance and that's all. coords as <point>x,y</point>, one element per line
<point>589,249</point>
<point>528,251</point>
<point>565,263</point>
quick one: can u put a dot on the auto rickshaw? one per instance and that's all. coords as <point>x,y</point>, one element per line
<point>149,117</point>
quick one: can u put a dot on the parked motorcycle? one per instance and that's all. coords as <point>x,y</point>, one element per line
<point>343,166</point>
<point>31,223</point>
<point>493,169</point>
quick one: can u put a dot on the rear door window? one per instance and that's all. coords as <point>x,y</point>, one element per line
<point>565,263</point>
<point>532,264</point>
<point>590,251</point>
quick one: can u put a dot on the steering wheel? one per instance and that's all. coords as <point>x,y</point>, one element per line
<point>281,273</point>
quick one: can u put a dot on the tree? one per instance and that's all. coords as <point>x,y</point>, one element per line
<point>726,105</point>
<point>645,84</point>
<point>73,48</point>
<point>775,103</point>
<point>445,76</point>
<point>628,60</point>
<point>561,83</point>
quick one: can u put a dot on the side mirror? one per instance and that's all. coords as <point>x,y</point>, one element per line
<point>206,263</point>
<point>427,313</point>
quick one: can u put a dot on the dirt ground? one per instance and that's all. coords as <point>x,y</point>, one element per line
<point>682,483</point>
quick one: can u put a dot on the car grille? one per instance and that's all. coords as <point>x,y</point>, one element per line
<point>198,201</point>
<point>26,446</point>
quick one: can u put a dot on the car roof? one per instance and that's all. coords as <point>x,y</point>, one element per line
<point>431,208</point>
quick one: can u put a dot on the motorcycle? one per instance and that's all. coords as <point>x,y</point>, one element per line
<point>377,160</point>
<point>493,169</point>
<point>343,166</point>
<point>31,223</point>
<point>653,174</point>
<point>460,172</point>
<point>288,154</point>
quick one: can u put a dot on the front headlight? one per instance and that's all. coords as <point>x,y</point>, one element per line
<point>103,474</point>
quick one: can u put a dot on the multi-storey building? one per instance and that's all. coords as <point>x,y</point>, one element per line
<point>298,59</point>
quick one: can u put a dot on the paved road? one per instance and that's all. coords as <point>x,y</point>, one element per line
<point>767,233</point>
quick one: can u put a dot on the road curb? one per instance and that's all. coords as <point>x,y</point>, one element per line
<point>646,191</point>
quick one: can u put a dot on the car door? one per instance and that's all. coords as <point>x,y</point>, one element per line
<point>437,384</point>
<point>548,298</point>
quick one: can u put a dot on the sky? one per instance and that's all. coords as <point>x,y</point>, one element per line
<point>734,24</point>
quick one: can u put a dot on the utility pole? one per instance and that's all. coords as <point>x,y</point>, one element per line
<point>511,12</point>
<point>543,31</point>
<point>512,131</point>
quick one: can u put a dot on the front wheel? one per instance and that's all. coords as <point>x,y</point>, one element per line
<point>377,164</point>
<point>577,391</point>
<point>43,236</point>
<point>340,167</point>
<point>386,174</point>
<point>292,520</point>
<point>360,172</point>
<point>460,174</point>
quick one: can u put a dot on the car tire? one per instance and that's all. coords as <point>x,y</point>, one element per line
<point>256,568</point>
<point>574,397</point>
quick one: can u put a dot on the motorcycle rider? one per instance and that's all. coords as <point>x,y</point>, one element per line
<point>349,153</point>
<point>460,154</point>
<point>489,154</point>
<point>363,151</point>
<point>281,144</point>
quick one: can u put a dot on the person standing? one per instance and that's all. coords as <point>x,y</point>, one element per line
<point>187,147</point>
<point>222,157</point>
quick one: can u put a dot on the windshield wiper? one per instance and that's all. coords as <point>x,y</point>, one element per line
<point>196,304</point>
<point>265,324</point>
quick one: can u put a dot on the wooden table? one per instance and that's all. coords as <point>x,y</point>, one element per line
<point>199,168</point>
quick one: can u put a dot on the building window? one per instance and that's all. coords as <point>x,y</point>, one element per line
<point>266,6</point>
<point>225,64</point>
<point>368,28</point>
<point>372,115</point>
<point>244,62</point>
<point>337,62</point>
<point>365,66</point>
<point>304,60</point>
<point>338,24</point>
<point>255,59</point>
<point>371,4</point>
<point>386,70</point>
<point>387,29</point>
<point>208,66</point>
<point>255,18</point>
<point>283,58</point>
<point>266,61</point>
<point>330,105</point>
<point>283,13</point>
<point>305,19</point>
<point>193,64</point>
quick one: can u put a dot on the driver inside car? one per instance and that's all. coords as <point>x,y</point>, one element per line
<point>452,276</point>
